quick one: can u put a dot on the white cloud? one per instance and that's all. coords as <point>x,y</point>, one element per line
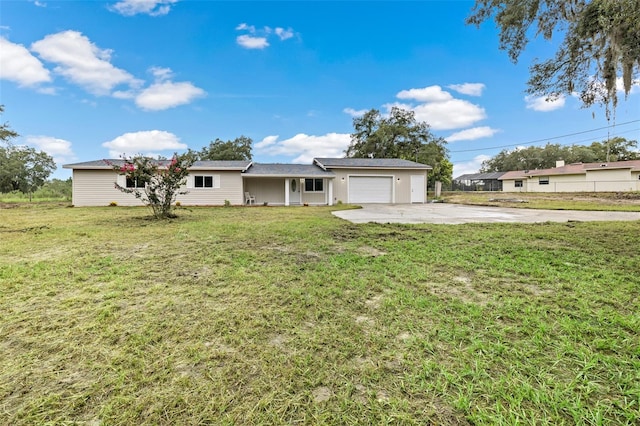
<point>18,65</point>
<point>59,149</point>
<point>246,27</point>
<point>46,90</point>
<point>149,7</point>
<point>124,94</point>
<point>166,94</point>
<point>354,112</point>
<point>472,166</point>
<point>161,74</point>
<point>306,147</point>
<point>635,86</point>
<point>258,38</point>
<point>284,34</point>
<point>426,94</point>
<point>542,104</point>
<point>268,141</point>
<point>138,142</point>
<point>451,114</point>
<point>472,134</point>
<point>439,108</point>
<point>471,89</point>
<point>82,62</point>
<point>251,42</point>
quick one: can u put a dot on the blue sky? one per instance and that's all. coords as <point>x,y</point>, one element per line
<point>86,80</point>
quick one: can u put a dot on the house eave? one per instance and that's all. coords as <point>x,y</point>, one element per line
<point>295,176</point>
<point>381,168</point>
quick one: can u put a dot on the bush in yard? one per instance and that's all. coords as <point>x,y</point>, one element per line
<point>156,182</point>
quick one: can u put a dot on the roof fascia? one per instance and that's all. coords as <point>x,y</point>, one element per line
<point>319,164</point>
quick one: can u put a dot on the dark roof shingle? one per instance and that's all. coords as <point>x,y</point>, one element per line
<point>198,165</point>
<point>287,170</point>
<point>378,163</point>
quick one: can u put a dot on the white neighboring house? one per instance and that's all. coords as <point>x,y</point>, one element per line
<point>325,182</point>
<point>614,176</point>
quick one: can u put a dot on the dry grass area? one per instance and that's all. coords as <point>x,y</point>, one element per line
<point>603,201</point>
<point>287,316</point>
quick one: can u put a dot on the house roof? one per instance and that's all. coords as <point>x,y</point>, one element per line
<point>198,165</point>
<point>480,176</point>
<point>287,170</point>
<point>573,169</point>
<point>373,163</point>
<point>319,167</point>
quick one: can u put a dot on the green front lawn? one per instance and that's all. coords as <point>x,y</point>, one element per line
<point>272,315</point>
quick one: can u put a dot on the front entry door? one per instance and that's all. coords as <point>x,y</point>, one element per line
<point>294,191</point>
<point>417,189</point>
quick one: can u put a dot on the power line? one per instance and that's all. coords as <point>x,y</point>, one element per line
<point>572,142</point>
<point>544,139</point>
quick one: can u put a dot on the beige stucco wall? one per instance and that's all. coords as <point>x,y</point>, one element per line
<point>401,179</point>
<point>96,188</point>
<point>561,183</point>
<point>510,185</point>
<point>594,181</point>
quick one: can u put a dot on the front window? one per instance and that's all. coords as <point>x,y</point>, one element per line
<point>543,180</point>
<point>203,181</point>
<point>518,184</point>
<point>135,182</point>
<point>313,185</point>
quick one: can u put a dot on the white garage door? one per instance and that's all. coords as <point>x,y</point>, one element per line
<point>370,189</point>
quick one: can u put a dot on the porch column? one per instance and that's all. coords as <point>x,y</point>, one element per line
<point>286,192</point>
<point>330,192</point>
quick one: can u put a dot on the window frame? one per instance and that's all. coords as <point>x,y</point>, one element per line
<point>135,183</point>
<point>518,183</point>
<point>543,180</point>
<point>315,183</point>
<point>203,181</point>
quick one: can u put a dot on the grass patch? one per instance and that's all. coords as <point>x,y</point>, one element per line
<point>587,201</point>
<point>290,315</point>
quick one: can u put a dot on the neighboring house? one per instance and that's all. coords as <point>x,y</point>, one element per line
<point>613,176</point>
<point>478,182</point>
<point>325,182</point>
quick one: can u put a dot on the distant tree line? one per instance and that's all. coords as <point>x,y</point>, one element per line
<point>22,168</point>
<point>545,157</point>
<point>238,149</point>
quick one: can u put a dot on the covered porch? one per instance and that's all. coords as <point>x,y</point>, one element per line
<point>287,185</point>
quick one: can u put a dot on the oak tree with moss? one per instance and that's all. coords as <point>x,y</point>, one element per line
<point>600,45</point>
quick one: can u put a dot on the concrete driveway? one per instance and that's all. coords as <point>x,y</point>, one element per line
<point>443,213</point>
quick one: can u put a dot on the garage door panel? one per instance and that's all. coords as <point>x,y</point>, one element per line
<point>371,189</point>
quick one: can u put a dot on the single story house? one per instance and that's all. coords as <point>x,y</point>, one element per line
<point>324,182</point>
<point>614,176</point>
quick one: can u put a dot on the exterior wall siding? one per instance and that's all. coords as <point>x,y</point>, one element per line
<point>97,188</point>
<point>401,182</point>
<point>272,191</point>
<point>94,187</point>
<point>266,190</point>
<point>230,190</point>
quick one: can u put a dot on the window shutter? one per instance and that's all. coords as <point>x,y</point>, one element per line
<point>121,180</point>
<point>216,181</point>
<point>189,181</point>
